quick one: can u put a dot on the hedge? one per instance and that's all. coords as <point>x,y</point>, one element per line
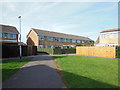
<point>47,50</point>
<point>57,50</point>
<point>118,52</point>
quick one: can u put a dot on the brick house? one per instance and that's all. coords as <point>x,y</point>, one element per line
<point>110,37</point>
<point>8,35</point>
<point>50,39</point>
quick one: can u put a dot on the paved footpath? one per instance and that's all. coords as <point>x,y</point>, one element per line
<point>40,72</point>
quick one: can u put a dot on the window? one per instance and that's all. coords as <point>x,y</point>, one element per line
<point>119,35</point>
<point>78,41</point>
<point>50,38</point>
<point>48,46</point>
<point>68,40</point>
<point>64,39</point>
<point>74,41</point>
<point>12,36</point>
<point>103,36</point>
<point>41,46</point>
<point>83,41</point>
<point>57,39</point>
<point>41,37</point>
<point>113,35</point>
<point>1,35</point>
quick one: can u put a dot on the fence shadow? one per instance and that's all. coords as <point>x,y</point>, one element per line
<point>78,81</point>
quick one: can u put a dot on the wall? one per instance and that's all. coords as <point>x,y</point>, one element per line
<point>32,38</point>
<point>109,40</point>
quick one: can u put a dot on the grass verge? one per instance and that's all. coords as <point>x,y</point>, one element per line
<point>88,72</point>
<point>10,67</point>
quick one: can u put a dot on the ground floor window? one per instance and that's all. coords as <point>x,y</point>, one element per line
<point>48,46</point>
<point>40,46</point>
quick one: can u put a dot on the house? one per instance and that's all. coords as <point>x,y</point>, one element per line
<point>50,39</point>
<point>110,37</point>
<point>8,35</point>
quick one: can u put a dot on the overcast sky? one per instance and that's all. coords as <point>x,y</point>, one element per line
<point>78,18</point>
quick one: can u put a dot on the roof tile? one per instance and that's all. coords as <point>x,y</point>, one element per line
<point>8,29</point>
<point>61,35</point>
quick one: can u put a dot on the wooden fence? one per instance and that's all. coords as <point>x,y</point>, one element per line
<point>97,51</point>
<point>13,50</point>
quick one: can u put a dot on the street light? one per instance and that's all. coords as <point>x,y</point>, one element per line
<point>20,37</point>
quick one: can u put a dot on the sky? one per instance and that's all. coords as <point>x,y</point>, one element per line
<point>78,18</point>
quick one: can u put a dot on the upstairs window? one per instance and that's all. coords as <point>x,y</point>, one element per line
<point>113,35</point>
<point>1,35</point>
<point>64,39</point>
<point>103,36</point>
<point>12,36</point>
<point>78,41</point>
<point>83,41</point>
<point>50,38</point>
<point>57,39</point>
<point>68,40</point>
<point>41,37</point>
<point>74,41</point>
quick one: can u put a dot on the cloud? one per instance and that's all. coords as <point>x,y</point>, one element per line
<point>39,8</point>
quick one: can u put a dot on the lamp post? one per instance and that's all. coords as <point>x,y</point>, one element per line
<point>20,37</point>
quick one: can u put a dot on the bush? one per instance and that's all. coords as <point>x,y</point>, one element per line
<point>48,50</point>
<point>68,51</point>
<point>118,52</point>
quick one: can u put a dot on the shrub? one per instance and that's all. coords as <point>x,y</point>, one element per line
<point>118,52</point>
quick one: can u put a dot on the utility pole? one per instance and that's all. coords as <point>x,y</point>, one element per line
<point>20,38</point>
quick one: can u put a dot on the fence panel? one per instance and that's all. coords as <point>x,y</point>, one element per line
<point>13,50</point>
<point>97,51</point>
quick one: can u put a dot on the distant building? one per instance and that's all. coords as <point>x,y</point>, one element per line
<point>49,39</point>
<point>8,34</point>
<point>110,37</point>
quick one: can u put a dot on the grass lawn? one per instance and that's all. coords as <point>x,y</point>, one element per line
<point>10,67</point>
<point>88,72</point>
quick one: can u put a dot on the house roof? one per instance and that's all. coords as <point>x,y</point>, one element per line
<point>98,40</point>
<point>8,29</point>
<point>111,30</point>
<point>57,34</point>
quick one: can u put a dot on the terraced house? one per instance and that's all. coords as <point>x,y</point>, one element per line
<point>8,35</point>
<point>110,37</point>
<point>49,39</point>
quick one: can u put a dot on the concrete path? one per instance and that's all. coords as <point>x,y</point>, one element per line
<point>39,73</point>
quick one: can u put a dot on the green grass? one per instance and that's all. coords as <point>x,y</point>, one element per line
<point>88,72</point>
<point>10,67</point>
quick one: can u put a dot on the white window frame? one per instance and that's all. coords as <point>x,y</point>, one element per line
<point>103,35</point>
<point>12,36</point>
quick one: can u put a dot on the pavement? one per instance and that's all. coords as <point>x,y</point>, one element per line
<point>40,72</point>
